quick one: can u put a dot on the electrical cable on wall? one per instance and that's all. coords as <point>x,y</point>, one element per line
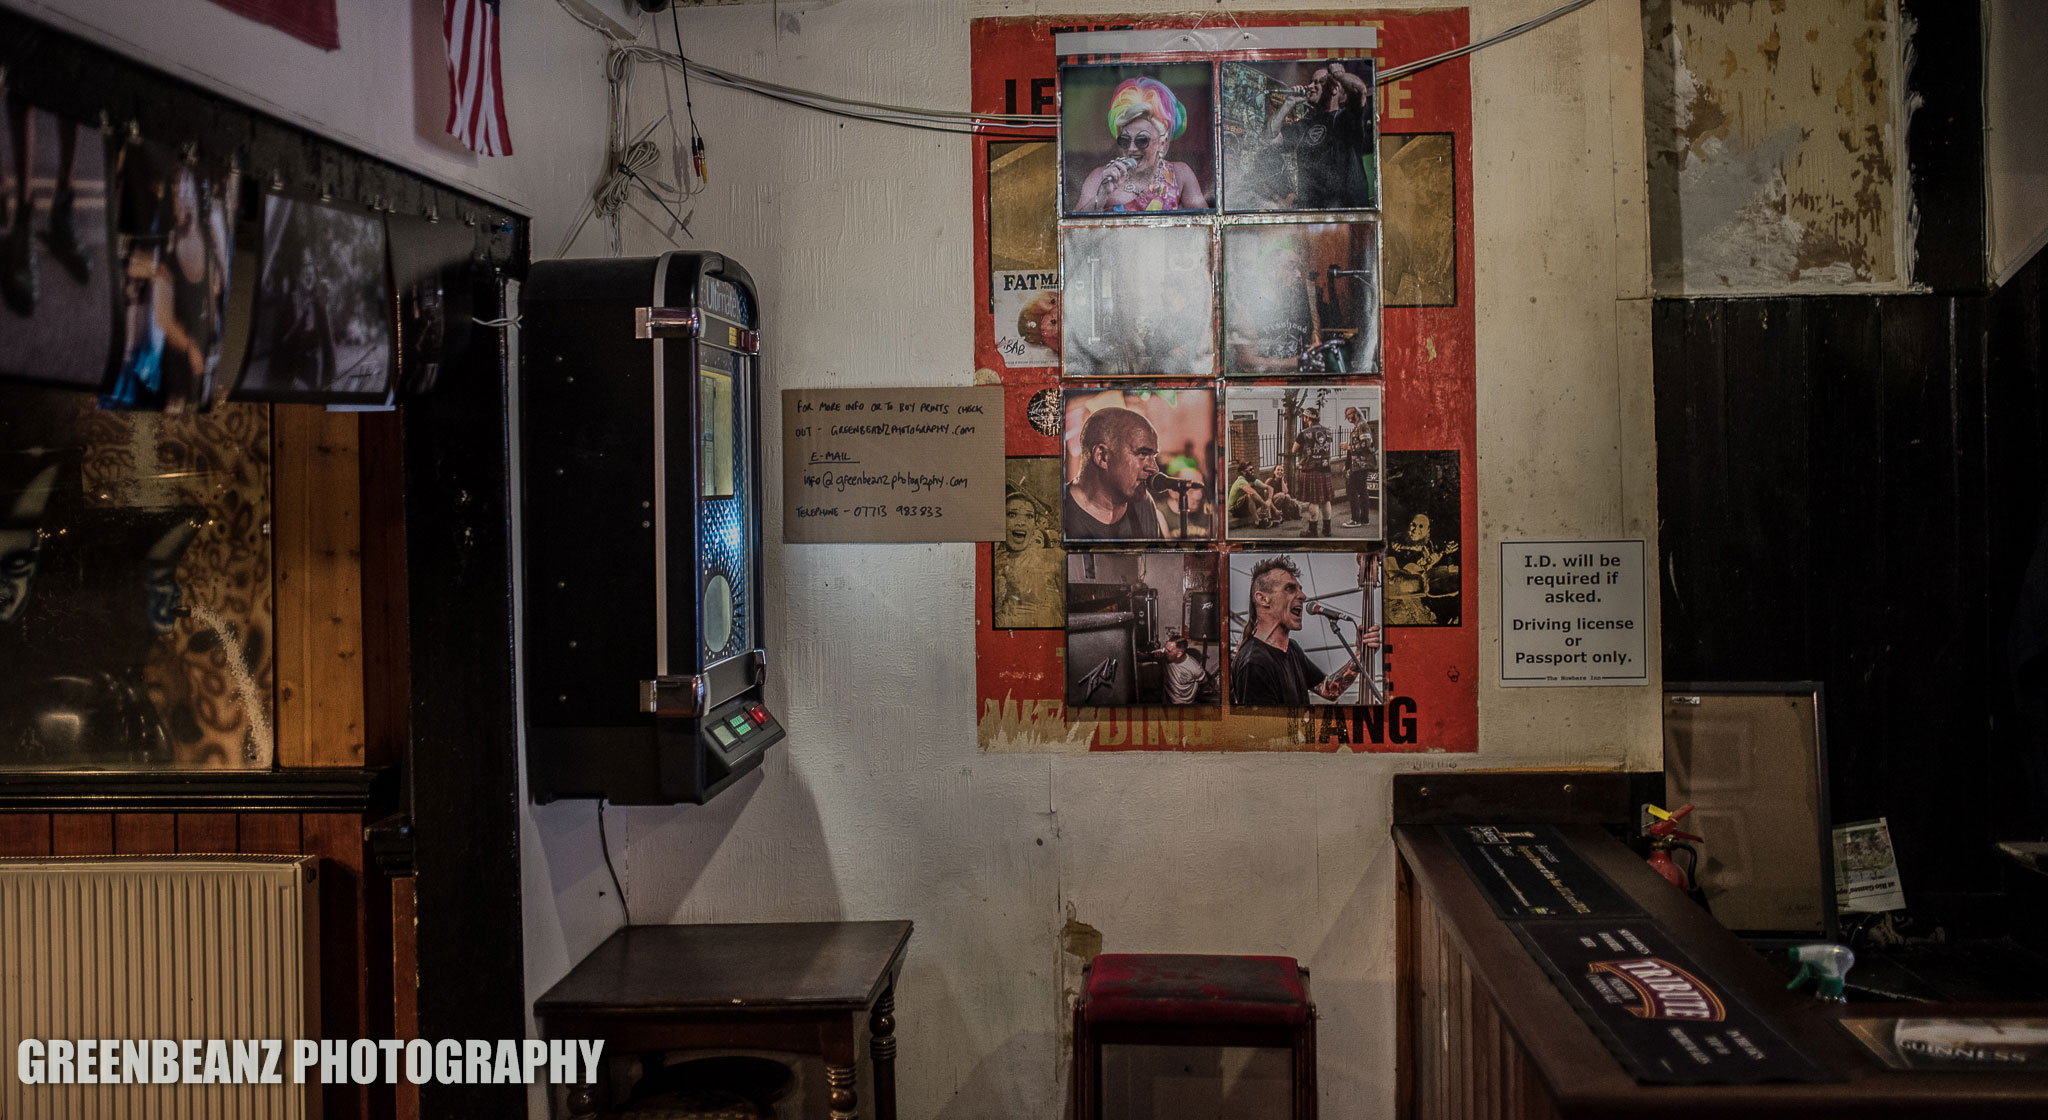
<point>628,163</point>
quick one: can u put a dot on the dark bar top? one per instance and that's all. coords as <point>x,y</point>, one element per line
<point>1586,1080</point>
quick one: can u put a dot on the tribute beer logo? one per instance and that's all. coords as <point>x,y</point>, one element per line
<point>1666,990</point>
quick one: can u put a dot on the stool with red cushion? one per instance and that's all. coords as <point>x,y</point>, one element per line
<point>1182,999</point>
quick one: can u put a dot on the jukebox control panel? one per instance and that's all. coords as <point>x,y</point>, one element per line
<point>645,672</point>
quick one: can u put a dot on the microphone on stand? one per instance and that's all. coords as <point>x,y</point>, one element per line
<point>1161,483</point>
<point>1330,612</point>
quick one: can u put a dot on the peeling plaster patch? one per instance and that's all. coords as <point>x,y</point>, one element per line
<point>1773,145</point>
<point>1080,940</point>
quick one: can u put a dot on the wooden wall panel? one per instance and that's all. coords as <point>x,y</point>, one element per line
<point>1850,488</point>
<point>1457,1059</point>
<point>316,475</point>
<point>207,832</point>
<point>24,834</point>
<point>268,833</point>
<point>405,992</point>
<point>145,833</point>
<point>81,834</point>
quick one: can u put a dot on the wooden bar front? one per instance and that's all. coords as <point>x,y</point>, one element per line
<point>1484,1033</point>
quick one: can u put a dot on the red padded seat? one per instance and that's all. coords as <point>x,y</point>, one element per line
<point>1193,988</point>
<point>1188,999</point>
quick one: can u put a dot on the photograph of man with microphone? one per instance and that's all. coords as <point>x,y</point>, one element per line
<point>1305,629</point>
<point>1138,465</point>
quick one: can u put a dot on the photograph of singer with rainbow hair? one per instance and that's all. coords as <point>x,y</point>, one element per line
<point>1305,629</point>
<point>1138,139</point>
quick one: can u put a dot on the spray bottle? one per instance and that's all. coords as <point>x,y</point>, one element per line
<point>1827,965</point>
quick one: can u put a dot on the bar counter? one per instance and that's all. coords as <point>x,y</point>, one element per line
<point>1484,1032</point>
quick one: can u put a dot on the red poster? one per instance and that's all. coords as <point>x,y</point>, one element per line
<point>1431,644</point>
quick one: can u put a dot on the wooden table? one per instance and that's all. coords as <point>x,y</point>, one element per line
<point>804,987</point>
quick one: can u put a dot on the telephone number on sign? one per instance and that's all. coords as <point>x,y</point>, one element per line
<point>900,511</point>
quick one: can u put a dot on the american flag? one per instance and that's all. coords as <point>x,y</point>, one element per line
<point>476,91</point>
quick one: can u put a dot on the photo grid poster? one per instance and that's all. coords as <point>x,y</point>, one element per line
<point>1425,354</point>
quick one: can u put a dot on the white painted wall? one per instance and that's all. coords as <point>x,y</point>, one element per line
<point>880,806</point>
<point>2016,133</point>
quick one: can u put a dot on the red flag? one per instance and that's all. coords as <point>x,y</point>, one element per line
<point>476,91</point>
<point>310,20</point>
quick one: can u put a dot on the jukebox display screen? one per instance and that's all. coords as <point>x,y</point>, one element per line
<point>724,532</point>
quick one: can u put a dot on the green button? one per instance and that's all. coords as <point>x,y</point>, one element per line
<point>739,724</point>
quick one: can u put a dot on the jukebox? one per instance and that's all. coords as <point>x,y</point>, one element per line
<point>641,529</point>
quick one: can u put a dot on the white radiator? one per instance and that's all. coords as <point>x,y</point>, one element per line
<point>158,947</point>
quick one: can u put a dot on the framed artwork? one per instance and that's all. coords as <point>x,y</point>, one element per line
<point>1143,629</point>
<point>1027,567</point>
<point>1301,298</point>
<point>1299,135</point>
<point>1138,465</point>
<point>1138,139</point>
<point>1304,629</point>
<point>1303,460</point>
<point>1139,301</point>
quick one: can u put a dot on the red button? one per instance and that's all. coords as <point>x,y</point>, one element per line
<point>759,713</point>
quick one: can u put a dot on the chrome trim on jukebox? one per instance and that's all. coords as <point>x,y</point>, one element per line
<point>682,697</point>
<point>665,322</point>
<point>660,420</point>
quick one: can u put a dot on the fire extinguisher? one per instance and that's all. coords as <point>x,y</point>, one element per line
<point>1665,836</point>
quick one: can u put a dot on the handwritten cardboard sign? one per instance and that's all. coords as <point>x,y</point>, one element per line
<point>892,464</point>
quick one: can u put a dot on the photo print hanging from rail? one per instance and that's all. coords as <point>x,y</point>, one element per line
<point>1028,565</point>
<point>1299,135</point>
<point>174,219</point>
<point>1305,629</point>
<point>1138,465</point>
<point>1424,585</point>
<point>1301,298</point>
<point>431,269</point>
<point>1303,460</point>
<point>1024,252</point>
<point>321,328</point>
<point>1138,139</point>
<point>57,275</point>
<point>1143,630</point>
<point>1139,301</point>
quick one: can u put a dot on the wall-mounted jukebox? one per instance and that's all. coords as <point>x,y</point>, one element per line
<point>640,436</point>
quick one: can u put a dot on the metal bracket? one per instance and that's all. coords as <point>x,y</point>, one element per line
<point>683,697</point>
<point>665,322</point>
<point>757,668</point>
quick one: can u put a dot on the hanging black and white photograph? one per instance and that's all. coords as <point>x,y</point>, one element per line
<point>1303,461</point>
<point>1301,298</point>
<point>1139,301</point>
<point>1143,628</point>
<point>1305,629</point>
<point>56,266</point>
<point>321,329</point>
<point>430,266</point>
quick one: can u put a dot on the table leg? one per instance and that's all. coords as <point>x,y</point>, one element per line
<point>845,1101</point>
<point>882,1050</point>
